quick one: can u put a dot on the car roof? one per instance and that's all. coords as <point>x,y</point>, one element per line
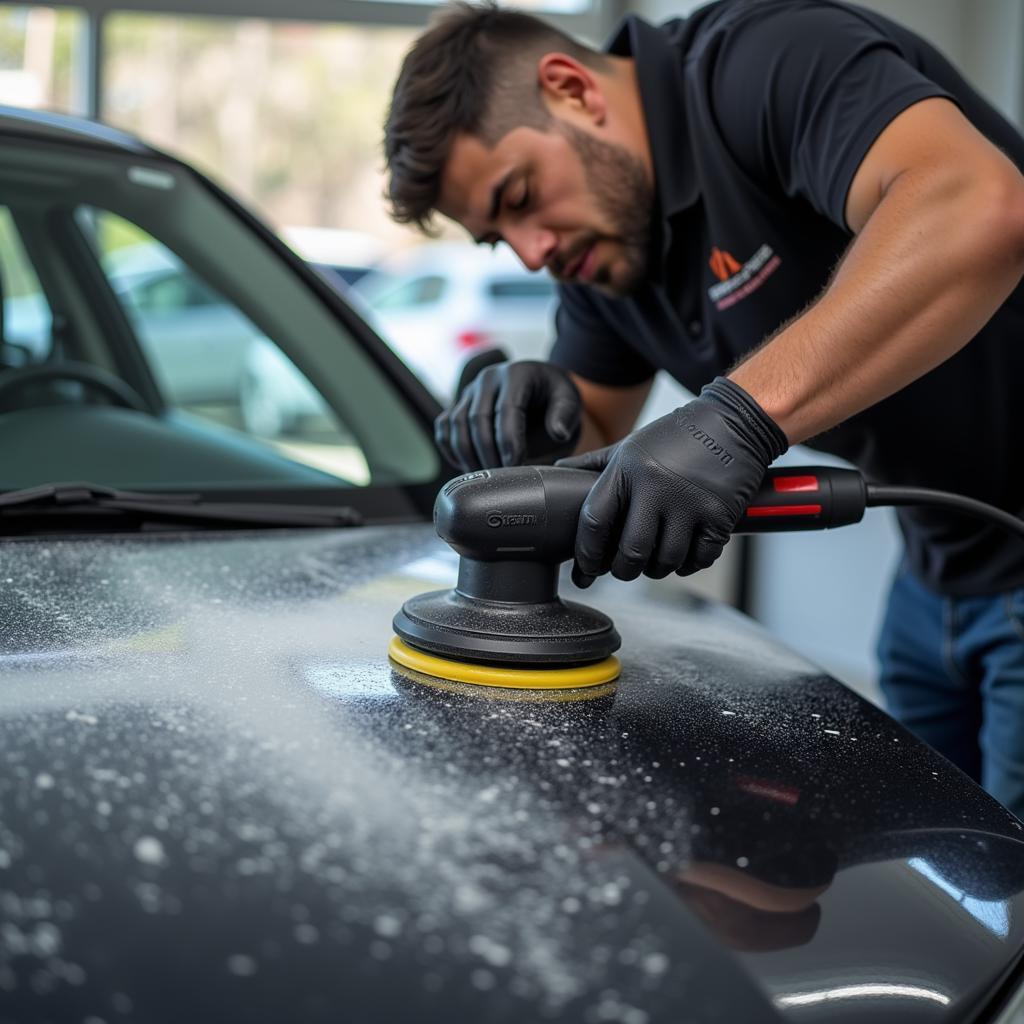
<point>44,124</point>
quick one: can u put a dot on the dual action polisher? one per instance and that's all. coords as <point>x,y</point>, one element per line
<point>504,625</point>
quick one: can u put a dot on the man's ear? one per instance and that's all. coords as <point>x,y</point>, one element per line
<point>571,87</point>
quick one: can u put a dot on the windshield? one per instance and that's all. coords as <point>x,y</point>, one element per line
<point>151,339</point>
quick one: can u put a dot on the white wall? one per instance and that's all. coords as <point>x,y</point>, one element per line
<point>983,38</point>
<point>993,56</point>
<point>942,22</point>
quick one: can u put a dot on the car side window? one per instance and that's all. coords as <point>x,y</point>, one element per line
<point>26,329</point>
<point>169,293</point>
<point>208,358</point>
<point>420,291</point>
<point>522,287</point>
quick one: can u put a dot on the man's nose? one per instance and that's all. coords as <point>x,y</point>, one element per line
<point>533,246</point>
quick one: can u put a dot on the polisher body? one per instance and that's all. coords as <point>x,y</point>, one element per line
<point>513,528</point>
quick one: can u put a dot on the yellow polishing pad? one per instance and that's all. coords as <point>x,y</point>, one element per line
<point>471,691</point>
<point>509,678</point>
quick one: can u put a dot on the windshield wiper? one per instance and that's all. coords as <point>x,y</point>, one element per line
<point>92,500</point>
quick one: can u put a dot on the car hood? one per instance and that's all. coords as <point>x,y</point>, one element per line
<point>219,802</point>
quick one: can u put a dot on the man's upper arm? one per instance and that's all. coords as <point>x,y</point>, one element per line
<point>803,93</point>
<point>926,137</point>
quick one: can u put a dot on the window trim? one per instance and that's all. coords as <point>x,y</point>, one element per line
<point>595,22</point>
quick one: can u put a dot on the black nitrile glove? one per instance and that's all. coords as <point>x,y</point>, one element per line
<point>670,494</point>
<point>510,413</point>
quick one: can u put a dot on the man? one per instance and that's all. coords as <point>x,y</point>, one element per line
<point>801,203</point>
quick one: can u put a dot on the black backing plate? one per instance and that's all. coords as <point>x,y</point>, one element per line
<point>558,632</point>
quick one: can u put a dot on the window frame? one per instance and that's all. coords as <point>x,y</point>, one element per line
<point>383,12</point>
<point>594,22</point>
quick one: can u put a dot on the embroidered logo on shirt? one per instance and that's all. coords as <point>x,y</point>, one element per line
<point>723,264</point>
<point>737,282</point>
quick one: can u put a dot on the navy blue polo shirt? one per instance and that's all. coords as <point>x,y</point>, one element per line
<point>759,113</point>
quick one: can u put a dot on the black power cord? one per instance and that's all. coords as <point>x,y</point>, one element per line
<point>886,496</point>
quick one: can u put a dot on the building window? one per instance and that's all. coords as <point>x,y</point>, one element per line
<point>41,58</point>
<point>288,115</point>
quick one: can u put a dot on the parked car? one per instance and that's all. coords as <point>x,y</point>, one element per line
<point>200,347</point>
<point>439,303</point>
<point>177,316</point>
<point>219,802</point>
<point>196,342</point>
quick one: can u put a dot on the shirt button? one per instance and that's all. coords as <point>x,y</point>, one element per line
<point>695,328</point>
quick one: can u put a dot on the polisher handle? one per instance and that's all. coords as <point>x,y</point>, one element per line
<point>805,498</point>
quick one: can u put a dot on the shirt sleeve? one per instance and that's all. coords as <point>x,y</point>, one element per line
<point>802,93</point>
<point>587,345</point>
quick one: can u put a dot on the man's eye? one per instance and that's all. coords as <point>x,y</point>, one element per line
<point>522,202</point>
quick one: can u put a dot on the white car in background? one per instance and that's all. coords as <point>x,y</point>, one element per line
<point>347,254</point>
<point>202,350</point>
<point>442,302</point>
<point>197,343</point>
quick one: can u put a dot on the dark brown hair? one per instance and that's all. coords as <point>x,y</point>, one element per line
<point>473,72</point>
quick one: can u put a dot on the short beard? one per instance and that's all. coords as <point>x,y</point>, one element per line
<point>618,181</point>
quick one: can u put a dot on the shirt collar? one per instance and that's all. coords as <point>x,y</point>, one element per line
<point>660,77</point>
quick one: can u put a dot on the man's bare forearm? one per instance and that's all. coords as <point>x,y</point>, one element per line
<point>591,435</point>
<point>936,259</point>
<point>608,413</point>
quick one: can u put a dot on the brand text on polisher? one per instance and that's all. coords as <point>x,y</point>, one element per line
<point>496,519</point>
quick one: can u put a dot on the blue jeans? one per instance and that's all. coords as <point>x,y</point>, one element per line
<point>953,674</point>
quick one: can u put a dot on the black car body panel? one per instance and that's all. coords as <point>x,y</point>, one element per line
<point>220,803</point>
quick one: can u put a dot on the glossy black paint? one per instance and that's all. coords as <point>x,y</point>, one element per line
<point>43,124</point>
<point>220,803</point>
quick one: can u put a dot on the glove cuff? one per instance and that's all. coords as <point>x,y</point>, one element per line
<point>761,430</point>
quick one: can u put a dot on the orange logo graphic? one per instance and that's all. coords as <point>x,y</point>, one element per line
<point>723,264</point>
